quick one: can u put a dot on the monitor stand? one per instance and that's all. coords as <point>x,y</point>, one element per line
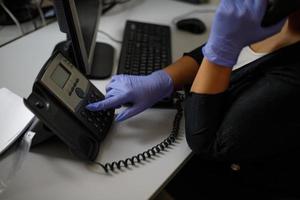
<point>102,63</point>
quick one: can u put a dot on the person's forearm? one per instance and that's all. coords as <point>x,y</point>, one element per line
<point>183,71</point>
<point>204,107</point>
<point>211,78</point>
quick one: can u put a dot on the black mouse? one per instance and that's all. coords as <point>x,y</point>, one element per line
<point>192,25</point>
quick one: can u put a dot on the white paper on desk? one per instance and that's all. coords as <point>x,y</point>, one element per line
<point>14,118</point>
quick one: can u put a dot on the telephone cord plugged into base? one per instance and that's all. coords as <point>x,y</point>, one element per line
<point>112,166</point>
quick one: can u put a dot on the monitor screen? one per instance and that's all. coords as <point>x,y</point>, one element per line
<point>80,19</point>
<point>88,21</point>
<point>87,11</point>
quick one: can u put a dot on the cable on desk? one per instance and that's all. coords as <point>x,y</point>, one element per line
<point>109,36</point>
<point>155,149</point>
<point>108,5</point>
<point>27,33</point>
<point>11,15</point>
<point>39,8</point>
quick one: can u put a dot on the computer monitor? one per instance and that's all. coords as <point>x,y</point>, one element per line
<point>79,19</point>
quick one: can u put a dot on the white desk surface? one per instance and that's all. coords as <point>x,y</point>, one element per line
<point>50,172</point>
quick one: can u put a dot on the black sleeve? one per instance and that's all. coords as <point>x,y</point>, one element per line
<point>203,115</point>
<point>196,54</point>
<point>260,123</point>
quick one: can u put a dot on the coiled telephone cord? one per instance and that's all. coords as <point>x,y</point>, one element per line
<point>155,149</point>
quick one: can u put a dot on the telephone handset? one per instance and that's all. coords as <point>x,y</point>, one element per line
<point>278,10</point>
<point>59,96</point>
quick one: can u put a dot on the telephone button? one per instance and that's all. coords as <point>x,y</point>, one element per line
<point>98,119</point>
<point>108,114</point>
<point>80,93</point>
<point>83,114</point>
<point>92,114</point>
<point>90,119</point>
<point>100,114</point>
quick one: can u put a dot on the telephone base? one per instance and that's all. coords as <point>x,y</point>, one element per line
<point>43,133</point>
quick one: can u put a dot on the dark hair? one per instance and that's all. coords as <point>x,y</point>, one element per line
<point>294,21</point>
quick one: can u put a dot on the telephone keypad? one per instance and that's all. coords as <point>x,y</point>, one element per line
<point>96,120</point>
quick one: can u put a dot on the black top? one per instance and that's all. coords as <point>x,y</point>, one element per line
<point>260,118</point>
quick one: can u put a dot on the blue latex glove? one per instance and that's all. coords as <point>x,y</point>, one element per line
<point>237,23</point>
<point>140,91</point>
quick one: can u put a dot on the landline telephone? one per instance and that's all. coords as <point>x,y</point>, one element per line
<point>58,99</point>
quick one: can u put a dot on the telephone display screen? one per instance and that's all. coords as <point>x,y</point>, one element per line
<point>60,76</point>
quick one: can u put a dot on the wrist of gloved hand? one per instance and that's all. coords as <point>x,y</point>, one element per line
<point>203,115</point>
<point>164,83</point>
<point>226,56</point>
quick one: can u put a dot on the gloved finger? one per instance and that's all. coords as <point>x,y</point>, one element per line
<point>113,102</point>
<point>259,7</point>
<point>109,86</point>
<point>113,85</point>
<point>115,78</point>
<point>117,107</point>
<point>109,95</point>
<point>129,112</point>
<point>112,80</point>
<point>113,92</point>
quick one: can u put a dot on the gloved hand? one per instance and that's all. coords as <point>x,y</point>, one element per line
<point>237,23</point>
<point>141,91</point>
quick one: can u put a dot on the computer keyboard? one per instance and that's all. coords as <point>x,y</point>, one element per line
<point>146,48</point>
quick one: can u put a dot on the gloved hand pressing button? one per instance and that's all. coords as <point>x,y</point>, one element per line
<point>140,91</point>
